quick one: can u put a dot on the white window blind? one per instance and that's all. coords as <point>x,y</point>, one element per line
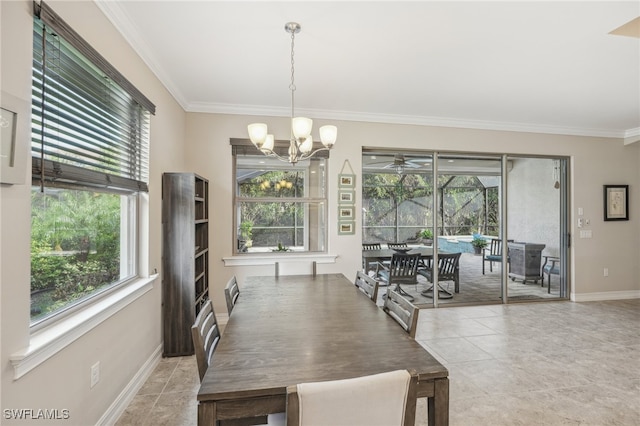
<point>90,125</point>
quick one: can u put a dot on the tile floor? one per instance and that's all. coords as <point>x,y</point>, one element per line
<point>554,363</point>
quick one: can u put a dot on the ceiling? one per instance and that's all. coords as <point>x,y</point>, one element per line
<point>540,66</point>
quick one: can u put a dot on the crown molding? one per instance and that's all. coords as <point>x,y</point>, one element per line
<point>123,24</point>
<point>409,120</point>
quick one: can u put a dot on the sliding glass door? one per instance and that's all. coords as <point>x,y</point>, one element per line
<point>506,217</point>
<point>537,228</point>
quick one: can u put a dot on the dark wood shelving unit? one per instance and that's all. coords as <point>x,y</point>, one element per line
<point>185,257</point>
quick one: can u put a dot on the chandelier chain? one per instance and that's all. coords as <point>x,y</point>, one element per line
<point>292,86</point>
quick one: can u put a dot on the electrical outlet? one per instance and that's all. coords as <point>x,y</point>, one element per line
<point>95,373</point>
<point>606,272</point>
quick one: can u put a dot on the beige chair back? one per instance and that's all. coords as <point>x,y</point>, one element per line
<point>387,398</point>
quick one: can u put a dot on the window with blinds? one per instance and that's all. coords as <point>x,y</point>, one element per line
<point>90,150</point>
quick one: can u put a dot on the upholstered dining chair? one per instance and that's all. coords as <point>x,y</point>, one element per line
<point>367,285</point>
<point>402,311</point>
<point>448,270</point>
<point>206,335</point>
<point>383,399</point>
<point>231,293</point>
<point>402,270</point>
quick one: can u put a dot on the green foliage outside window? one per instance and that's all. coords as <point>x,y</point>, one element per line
<point>75,240</point>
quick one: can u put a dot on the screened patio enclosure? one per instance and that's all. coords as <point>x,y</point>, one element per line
<point>397,196</point>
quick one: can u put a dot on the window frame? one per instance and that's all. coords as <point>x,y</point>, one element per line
<point>243,147</point>
<point>130,182</point>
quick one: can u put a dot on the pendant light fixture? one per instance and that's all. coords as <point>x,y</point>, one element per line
<point>300,142</point>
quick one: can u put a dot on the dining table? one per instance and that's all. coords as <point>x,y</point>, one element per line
<point>371,257</point>
<point>296,329</point>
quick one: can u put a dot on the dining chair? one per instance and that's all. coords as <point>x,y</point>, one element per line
<point>402,311</point>
<point>402,270</point>
<point>367,285</point>
<point>206,335</point>
<point>382,399</point>
<point>295,266</point>
<point>448,270</point>
<point>231,293</point>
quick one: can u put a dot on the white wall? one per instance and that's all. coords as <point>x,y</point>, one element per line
<point>595,162</point>
<point>124,342</point>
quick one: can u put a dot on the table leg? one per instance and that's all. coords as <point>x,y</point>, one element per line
<point>439,405</point>
<point>207,414</point>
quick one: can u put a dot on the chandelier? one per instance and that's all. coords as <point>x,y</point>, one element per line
<point>300,141</point>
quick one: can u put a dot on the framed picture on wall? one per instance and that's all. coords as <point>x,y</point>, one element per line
<point>346,196</point>
<point>346,180</point>
<point>14,138</point>
<point>346,212</point>
<point>346,228</point>
<point>616,202</point>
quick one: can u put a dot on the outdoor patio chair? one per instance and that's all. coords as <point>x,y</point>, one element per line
<point>448,270</point>
<point>493,253</point>
<point>402,270</point>
<point>551,266</point>
<point>369,246</point>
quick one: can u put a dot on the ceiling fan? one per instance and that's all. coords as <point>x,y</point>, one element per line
<point>399,163</point>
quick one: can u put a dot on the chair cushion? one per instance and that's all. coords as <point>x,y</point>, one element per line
<point>493,258</point>
<point>374,400</point>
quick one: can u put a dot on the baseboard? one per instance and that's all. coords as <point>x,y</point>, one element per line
<point>605,295</point>
<point>113,413</point>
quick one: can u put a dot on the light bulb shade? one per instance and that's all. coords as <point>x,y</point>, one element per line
<point>268,143</point>
<point>307,145</point>
<point>328,135</point>
<point>257,133</point>
<point>301,127</point>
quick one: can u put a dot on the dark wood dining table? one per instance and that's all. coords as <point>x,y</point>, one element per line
<point>370,257</point>
<point>293,329</point>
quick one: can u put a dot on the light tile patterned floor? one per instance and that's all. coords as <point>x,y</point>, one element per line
<point>553,363</point>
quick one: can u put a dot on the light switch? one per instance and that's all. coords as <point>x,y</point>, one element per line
<point>580,211</point>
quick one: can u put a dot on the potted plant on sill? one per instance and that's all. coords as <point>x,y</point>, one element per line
<point>478,243</point>
<point>281,247</point>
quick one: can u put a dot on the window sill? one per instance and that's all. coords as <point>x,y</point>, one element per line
<point>51,340</point>
<point>264,259</point>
